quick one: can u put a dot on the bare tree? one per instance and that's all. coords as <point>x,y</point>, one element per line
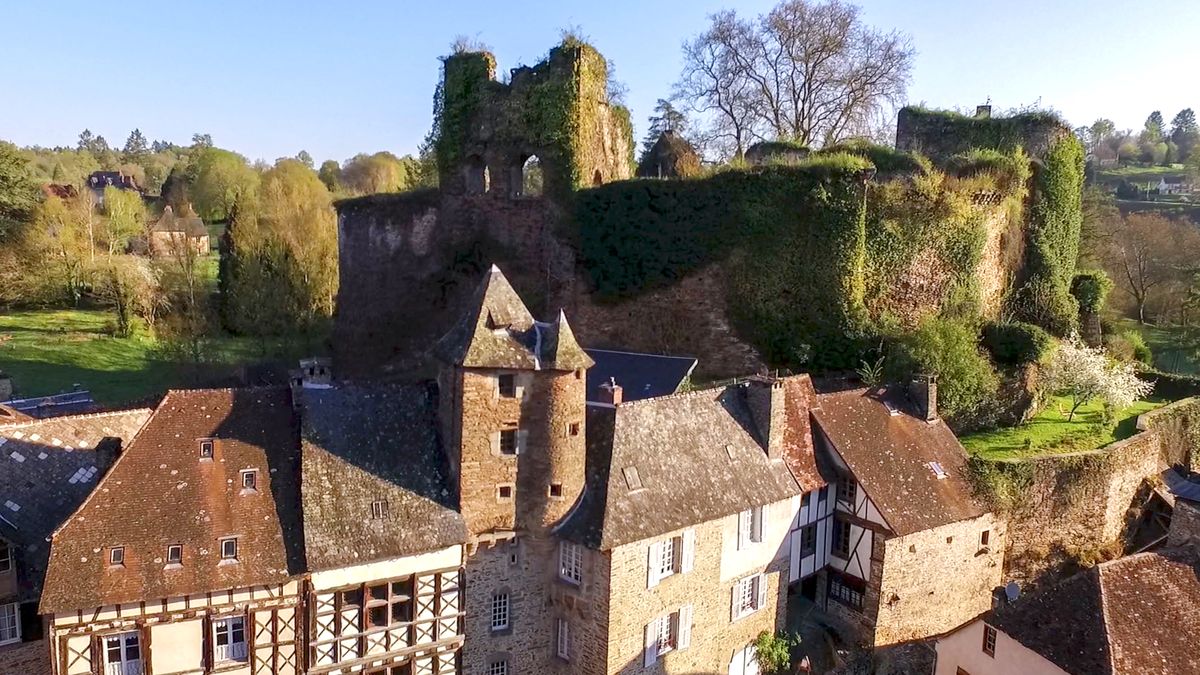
<point>808,71</point>
<point>1149,253</point>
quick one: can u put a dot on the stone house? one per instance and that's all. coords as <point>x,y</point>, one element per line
<point>99,180</point>
<point>912,554</point>
<point>174,234</point>
<point>47,468</point>
<point>1138,614</point>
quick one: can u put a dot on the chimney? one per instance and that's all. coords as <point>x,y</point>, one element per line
<point>765,396</point>
<point>610,392</point>
<point>314,373</point>
<point>107,452</point>
<point>983,111</point>
<point>923,392</point>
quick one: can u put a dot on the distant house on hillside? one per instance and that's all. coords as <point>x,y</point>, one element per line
<point>99,180</point>
<point>1173,185</point>
<point>170,232</point>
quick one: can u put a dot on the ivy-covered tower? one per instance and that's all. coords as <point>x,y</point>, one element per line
<point>553,118</point>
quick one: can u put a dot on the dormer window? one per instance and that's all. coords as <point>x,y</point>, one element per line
<point>507,385</point>
<point>229,548</point>
<point>379,509</point>
<point>206,448</point>
<point>250,480</point>
<point>6,563</point>
<point>175,554</point>
<point>116,556</point>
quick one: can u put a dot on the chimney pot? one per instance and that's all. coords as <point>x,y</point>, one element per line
<point>610,392</point>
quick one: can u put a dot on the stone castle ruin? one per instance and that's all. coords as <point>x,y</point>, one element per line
<point>771,265</point>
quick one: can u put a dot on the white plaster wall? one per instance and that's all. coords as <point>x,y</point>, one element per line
<point>818,508</point>
<point>388,569</point>
<point>775,544</point>
<point>177,647</point>
<point>964,649</point>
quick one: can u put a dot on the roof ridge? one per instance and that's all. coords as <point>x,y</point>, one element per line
<point>1105,615</point>
<point>77,416</point>
<point>201,390</point>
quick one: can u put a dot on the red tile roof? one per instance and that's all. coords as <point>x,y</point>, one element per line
<point>161,492</point>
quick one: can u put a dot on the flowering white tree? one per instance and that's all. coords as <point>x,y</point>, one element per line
<point>1085,373</point>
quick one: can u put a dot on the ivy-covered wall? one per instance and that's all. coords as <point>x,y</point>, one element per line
<point>557,110</point>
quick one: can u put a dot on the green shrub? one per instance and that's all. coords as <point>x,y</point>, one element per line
<point>885,158</point>
<point>1129,345</point>
<point>949,349</point>
<point>1010,169</point>
<point>774,653</point>
<point>1016,343</point>
<point>1090,288</point>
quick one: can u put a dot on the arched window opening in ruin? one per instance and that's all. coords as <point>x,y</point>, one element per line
<point>477,179</point>
<point>530,184</point>
<point>597,179</point>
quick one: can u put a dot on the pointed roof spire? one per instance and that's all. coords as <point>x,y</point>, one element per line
<point>497,331</point>
<point>560,349</point>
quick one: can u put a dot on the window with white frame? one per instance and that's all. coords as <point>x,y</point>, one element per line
<point>563,640</point>
<point>500,611</point>
<point>670,556</point>
<point>570,562</point>
<point>667,633</point>
<point>750,526</point>
<point>847,491</point>
<point>229,639</point>
<point>175,554</point>
<point>229,548</point>
<point>10,623</point>
<point>250,479</point>
<point>808,540</point>
<point>123,653</point>
<point>749,595</point>
<point>6,563</point>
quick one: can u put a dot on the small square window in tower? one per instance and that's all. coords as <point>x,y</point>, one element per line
<point>507,385</point>
<point>556,490</point>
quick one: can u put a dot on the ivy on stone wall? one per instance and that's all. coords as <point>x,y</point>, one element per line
<point>462,94</point>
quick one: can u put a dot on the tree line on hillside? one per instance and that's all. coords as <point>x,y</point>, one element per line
<point>1155,144</point>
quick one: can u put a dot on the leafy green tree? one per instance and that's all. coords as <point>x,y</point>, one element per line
<point>305,158</point>
<point>1185,133</point>
<point>135,146</point>
<point>201,141</point>
<point>223,178</point>
<point>1101,130</point>
<point>18,192</point>
<point>125,218</point>
<point>949,350</point>
<point>331,175</point>
<point>369,174</point>
<point>132,288</point>
<point>59,244</point>
<point>1154,127</point>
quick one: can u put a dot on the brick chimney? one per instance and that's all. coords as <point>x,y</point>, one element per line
<point>923,392</point>
<point>765,396</point>
<point>107,452</point>
<point>610,392</point>
<point>983,112</point>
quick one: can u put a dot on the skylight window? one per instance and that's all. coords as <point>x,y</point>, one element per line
<point>206,448</point>
<point>175,554</point>
<point>936,468</point>
<point>632,480</point>
<point>116,556</point>
<point>229,548</point>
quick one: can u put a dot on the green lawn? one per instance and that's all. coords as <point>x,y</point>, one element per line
<point>1050,432</point>
<point>1165,343</point>
<point>50,351</point>
<point>1134,173</point>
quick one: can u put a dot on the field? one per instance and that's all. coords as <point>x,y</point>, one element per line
<point>1139,173</point>
<point>1050,432</point>
<point>1167,344</point>
<point>50,351</point>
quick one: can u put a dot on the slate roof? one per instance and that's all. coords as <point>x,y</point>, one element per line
<point>889,454</point>
<point>54,405</point>
<point>640,375</point>
<point>160,492</point>
<point>366,444</point>
<point>1137,614</point>
<point>47,468</point>
<point>98,180</point>
<point>497,331</point>
<point>697,458</point>
<point>187,222</point>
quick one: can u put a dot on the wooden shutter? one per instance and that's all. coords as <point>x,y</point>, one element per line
<point>654,555</point>
<point>495,440</point>
<point>733,600</point>
<point>685,626</point>
<point>756,522</point>
<point>762,591</point>
<point>744,519</point>
<point>688,559</point>
<point>650,651</point>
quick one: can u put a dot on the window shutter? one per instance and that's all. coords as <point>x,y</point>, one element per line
<point>522,439</point>
<point>762,590</point>
<point>689,551</point>
<point>757,523</point>
<point>654,555</point>
<point>650,651</point>
<point>685,626</point>
<point>743,529</point>
<point>523,381</point>
<point>733,598</point>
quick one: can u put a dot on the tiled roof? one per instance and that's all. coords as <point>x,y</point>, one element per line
<point>47,468</point>
<point>1137,614</point>
<point>696,457</point>
<point>639,375</point>
<point>161,492</point>
<point>890,455</point>
<point>187,222</point>
<point>497,331</point>
<point>363,445</point>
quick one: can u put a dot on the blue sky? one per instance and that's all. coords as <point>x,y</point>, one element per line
<point>270,78</point>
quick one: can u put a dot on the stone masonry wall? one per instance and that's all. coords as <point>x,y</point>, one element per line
<point>1080,503</point>
<point>1185,524</point>
<point>714,637</point>
<point>937,579</point>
